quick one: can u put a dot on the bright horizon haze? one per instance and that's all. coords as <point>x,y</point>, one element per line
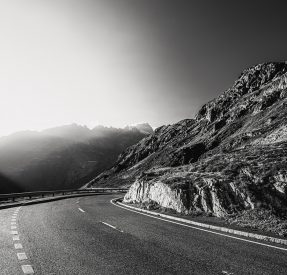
<point>123,62</point>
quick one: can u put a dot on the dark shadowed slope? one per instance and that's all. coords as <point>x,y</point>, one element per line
<point>62,157</point>
<point>9,186</point>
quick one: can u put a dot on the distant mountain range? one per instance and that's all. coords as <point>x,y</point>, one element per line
<point>62,157</point>
<point>230,159</point>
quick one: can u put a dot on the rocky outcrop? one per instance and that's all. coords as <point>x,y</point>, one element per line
<point>162,194</point>
<point>230,158</point>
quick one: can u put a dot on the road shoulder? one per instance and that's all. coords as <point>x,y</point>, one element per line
<point>226,230</point>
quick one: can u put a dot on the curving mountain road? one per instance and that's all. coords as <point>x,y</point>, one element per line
<point>89,235</point>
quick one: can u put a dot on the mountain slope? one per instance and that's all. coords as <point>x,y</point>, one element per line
<point>61,158</point>
<point>230,158</point>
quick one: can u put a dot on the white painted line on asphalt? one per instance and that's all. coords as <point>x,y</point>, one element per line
<point>81,210</point>
<point>13,223</point>
<point>16,238</point>
<point>18,246</point>
<point>13,227</point>
<point>112,226</point>
<point>27,269</point>
<point>109,225</point>
<point>201,229</point>
<point>22,256</point>
<point>226,272</point>
<point>14,232</point>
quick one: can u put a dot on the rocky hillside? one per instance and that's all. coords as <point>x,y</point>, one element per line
<point>64,157</point>
<point>231,157</point>
<point>142,127</point>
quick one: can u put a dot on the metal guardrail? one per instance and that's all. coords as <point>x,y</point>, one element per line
<point>30,195</point>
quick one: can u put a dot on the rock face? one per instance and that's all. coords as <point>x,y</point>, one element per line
<point>231,157</point>
<point>158,192</point>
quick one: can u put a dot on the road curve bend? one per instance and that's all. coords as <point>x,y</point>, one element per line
<point>89,235</point>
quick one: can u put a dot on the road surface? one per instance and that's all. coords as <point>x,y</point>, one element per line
<point>89,235</point>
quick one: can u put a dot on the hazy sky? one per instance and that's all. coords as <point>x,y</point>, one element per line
<point>127,61</point>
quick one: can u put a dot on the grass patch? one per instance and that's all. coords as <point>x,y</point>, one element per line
<point>260,219</point>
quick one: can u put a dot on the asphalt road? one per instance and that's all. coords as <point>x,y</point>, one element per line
<point>89,235</point>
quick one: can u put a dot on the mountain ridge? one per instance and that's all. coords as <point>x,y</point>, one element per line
<point>62,157</point>
<point>228,159</point>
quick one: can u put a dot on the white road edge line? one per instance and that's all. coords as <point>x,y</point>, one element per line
<point>201,229</point>
<point>16,238</point>
<point>112,226</point>
<point>27,269</point>
<point>81,210</point>
<point>18,246</point>
<point>22,256</point>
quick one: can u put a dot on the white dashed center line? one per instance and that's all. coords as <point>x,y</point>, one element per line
<point>112,226</point>
<point>81,210</point>
<point>14,232</point>
<point>13,227</point>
